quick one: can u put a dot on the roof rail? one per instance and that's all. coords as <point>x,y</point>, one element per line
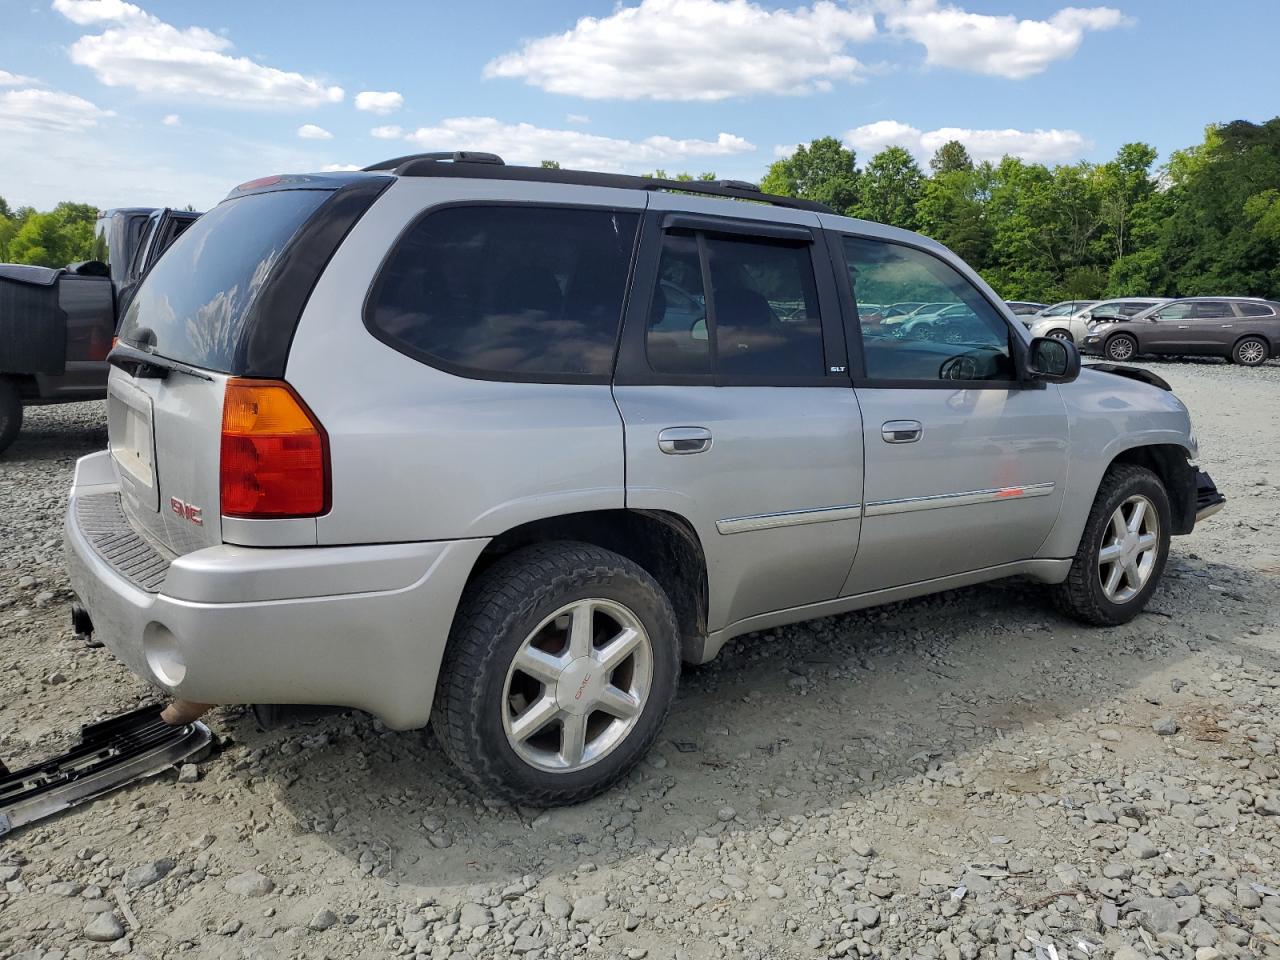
<point>455,156</point>
<point>488,166</point>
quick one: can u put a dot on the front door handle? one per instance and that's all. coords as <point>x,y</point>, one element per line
<point>901,431</point>
<point>682,440</point>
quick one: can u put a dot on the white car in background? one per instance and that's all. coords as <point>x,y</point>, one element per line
<point>1074,324</point>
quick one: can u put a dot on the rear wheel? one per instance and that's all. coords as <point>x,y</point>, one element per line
<point>1123,550</point>
<point>1250,352</point>
<point>1121,347</point>
<point>560,671</point>
<point>1060,334</point>
<point>10,412</point>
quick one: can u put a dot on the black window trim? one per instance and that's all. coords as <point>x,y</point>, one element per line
<point>632,368</point>
<point>853,328</point>
<point>727,226</point>
<point>494,376</point>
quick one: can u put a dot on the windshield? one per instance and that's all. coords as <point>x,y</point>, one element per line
<point>192,307</point>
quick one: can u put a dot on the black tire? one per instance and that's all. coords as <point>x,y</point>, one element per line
<point>1081,595</point>
<point>1121,348</point>
<point>10,412</point>
<point>1060,334</point>
<point>1250,352</point>
<point>498,611</point>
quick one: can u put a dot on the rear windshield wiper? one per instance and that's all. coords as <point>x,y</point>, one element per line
<point>149,366</point>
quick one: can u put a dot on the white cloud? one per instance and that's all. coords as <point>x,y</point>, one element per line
<point>523,143</point>
<point>309,131</point>
<point>172,120</point>
<point>999,45</point>
<point>578,118</point>
<point>8,79</point>
<point>339,167</point>
<point>389,132</point>
<point>1036,146</point>
<point>381,103</point>
<point>141,51</point>
<point>47,111</point>
<point>694,50</point>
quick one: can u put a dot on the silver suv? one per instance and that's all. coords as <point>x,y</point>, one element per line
<point>498,448</point>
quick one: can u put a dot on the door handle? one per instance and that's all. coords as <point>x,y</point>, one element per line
<point>901,431</point>
<point>682,440</point>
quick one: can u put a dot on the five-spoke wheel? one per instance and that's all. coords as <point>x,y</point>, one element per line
<point>577,685</point>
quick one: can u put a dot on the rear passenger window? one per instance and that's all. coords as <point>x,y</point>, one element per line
<point>519,292</point>
<point>761,320</point>
<point>1213,310</point>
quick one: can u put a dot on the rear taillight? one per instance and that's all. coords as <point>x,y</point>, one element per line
<point>275,454</point>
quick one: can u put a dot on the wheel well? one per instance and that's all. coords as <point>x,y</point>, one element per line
<point>664,544</point>
<point>1168,461</point>
<point>1062,330</point>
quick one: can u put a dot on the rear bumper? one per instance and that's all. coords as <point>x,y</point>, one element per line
<point>361,626</point>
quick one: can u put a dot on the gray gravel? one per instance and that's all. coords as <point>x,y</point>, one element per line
<point>958,777</point>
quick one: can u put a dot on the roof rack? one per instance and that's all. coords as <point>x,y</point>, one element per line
<point>489,166</point>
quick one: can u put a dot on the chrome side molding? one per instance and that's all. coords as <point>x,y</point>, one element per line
<point>789,518</point>
<point>881,508</point>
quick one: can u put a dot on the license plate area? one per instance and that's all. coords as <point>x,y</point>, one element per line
<point>132,442</point>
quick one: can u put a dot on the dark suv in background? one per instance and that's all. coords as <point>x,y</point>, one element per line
<point>1243,329</point>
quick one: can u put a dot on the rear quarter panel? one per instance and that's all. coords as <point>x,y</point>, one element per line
<point>420,454</point>
<point>1106,416</point>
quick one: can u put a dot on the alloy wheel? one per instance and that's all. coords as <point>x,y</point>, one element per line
<point>1130,547</point>
<point>1121,348</point>
<point>577,685</point>
<point>1251,352</point>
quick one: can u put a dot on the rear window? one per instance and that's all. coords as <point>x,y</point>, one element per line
<point>193,305</point>
<point>522,293</point>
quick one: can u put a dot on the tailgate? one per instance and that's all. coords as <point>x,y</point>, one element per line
<point>165,437</point>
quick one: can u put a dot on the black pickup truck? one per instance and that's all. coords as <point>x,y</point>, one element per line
<point>56,326</point>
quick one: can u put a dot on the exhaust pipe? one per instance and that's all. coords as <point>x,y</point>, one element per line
<point>181,712</point>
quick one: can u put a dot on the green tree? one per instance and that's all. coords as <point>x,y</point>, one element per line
<point>952,210</point>
<point>890,188</point>
<point>951,157</point>
<point>54,239</point>
<point>824,171</point>
<point>550,164</point>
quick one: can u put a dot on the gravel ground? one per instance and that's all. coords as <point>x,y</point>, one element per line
<point>969,775</point>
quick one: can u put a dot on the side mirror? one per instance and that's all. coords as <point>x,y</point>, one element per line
<point>1053,360</point>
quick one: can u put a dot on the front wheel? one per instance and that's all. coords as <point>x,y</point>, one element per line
<point>1060,334</point>
<point>1121,347</point>
<point>560,670</point>
<point>1123,550</point>
<point>1250,352</point>
<point>10,412</point>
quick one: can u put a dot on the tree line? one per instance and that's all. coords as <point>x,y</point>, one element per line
<point>56,238</point>
<point>1206,222</point>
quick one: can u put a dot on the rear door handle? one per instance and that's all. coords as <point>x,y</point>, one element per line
<point>901,431</point>
<point>682,440</point>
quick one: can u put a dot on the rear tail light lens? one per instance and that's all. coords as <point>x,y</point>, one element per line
<point>275,454</point>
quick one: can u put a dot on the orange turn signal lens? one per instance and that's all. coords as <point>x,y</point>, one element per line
<point>275,453</point>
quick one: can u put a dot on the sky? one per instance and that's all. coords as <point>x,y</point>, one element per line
<point>170,103</point>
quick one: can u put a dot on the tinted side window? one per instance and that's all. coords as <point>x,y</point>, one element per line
<point>523,291</point>
<point>1254,309</point>
<point>957,335</point>
<point>763,319</point>
<point>1213,310</point>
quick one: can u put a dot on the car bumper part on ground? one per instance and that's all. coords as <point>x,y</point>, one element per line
<point>110,754</point>
<point>357,626</point>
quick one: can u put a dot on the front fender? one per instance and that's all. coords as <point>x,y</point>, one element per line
<point>1110,416</point>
